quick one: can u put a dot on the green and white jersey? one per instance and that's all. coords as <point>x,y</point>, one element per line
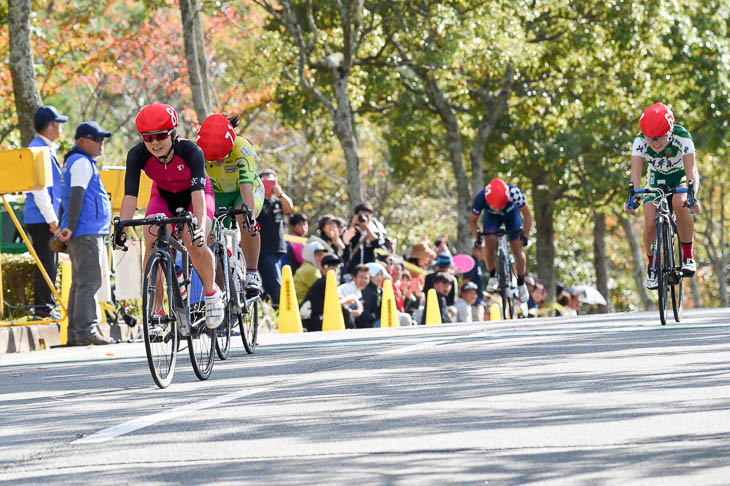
<point>668,160</point>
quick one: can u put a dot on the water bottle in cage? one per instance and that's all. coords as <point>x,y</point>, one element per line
<point>181,281</point>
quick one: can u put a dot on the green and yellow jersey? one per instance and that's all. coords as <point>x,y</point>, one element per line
<point>237,169</point>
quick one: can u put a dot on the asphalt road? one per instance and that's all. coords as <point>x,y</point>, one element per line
<point>599,400</point>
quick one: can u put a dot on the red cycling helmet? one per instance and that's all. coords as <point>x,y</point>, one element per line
<point>497,193</point>
<point>155,118</point>
<point>216,137</point>
<point>657,120</point>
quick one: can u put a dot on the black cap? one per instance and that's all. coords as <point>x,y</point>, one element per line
<point>90,129</point>
<point>45,114</point>
<point>330,259</point>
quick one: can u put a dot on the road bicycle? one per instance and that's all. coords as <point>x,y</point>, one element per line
<point>170,314</point>
<point>667,248</point>
<point>240,307</point>
<point>506,275</point>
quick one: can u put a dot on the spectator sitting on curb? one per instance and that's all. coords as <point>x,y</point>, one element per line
<point>312,308</point>
<point>372,296</point>
<point>351,295</point>
<point>443,265</point>
<point>311,269</point>
<point>538,294</point>
<point>467,298</point>
<point>443,283</point>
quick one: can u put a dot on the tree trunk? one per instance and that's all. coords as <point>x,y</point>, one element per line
<point>25,89</point>
<point>600,261</point>
<point>543,203</point>
<point>453,140</point>
<point>344,124</point>
<point>646,301</point>
<point>695,292</point>
<point>195,57</point>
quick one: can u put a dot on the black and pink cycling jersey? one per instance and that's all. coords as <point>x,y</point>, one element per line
<point>185,172</point>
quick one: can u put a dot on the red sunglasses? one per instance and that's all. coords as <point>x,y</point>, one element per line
<point>156,136</point>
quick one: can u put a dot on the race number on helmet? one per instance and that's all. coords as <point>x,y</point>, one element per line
<point>497,193</point>
<point>155,118</point>
<point>216,137</point>
<point>657,120</point>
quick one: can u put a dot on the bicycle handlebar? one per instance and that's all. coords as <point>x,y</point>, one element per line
<point>161,219</point>
<point>667,191</point>
<point>244,210</point>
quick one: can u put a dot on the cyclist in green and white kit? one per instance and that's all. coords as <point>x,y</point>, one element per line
<point>670,153</point>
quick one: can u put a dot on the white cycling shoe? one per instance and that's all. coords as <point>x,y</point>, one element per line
<point>651,279</point>
<point>523,294</point>
<point>253,283</point>
<point>689,267</point>
<point>214,309</point>
<point>492,284</point>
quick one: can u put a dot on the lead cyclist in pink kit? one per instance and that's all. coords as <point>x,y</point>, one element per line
<point>177,169</point>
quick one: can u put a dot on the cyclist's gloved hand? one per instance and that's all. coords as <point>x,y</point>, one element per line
<point>629,208</point>
<point>694,208</point>
<point>198,236</point>
<point>523,237</point>
<point>254,228</point>
<point>120,240</point>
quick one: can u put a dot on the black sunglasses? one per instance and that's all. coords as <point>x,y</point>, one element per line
<point>97,139</point>
<point>156,136</point>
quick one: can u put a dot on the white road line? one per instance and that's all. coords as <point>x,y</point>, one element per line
<point>142,422</point>
<point>415,347</point>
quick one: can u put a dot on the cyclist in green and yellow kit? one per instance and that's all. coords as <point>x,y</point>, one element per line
<point>231,165</point>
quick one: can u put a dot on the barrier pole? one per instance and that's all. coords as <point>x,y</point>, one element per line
<point>40,267</point>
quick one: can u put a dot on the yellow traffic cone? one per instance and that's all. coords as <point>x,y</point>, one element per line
<point>332,319</point>
<point>289,318</point>
<point>495,312</point>
<point>433,313</point>
<point>388,310</point>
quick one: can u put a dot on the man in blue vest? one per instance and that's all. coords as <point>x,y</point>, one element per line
<point>40,214</point>
<point>85,221</point>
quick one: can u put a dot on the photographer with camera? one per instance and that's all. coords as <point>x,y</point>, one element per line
<point>364,234</point>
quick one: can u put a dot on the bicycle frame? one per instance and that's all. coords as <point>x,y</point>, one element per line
<point>669,274</point>
<point>163,246</point>
<point>506,271</point>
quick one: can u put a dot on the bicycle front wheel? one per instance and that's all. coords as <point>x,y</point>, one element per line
<point>677,288</point>
<point>201,341</point>
<point>223,333</point>
<point>160,324</point>
<point>660,262</point>
<point>248,322</point>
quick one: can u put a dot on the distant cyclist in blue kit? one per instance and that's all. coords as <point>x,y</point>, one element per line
<point>503,203</point>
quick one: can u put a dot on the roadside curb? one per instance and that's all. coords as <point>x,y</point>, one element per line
<point>21,339</point>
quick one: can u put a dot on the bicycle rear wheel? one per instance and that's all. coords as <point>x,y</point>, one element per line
<point>677,288</point>
<point>223,333</point>
<point>159,320</point>
<point>201,341</point>
<point>660,261</point>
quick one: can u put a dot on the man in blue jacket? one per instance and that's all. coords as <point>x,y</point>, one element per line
<point>40,214</point>
<point>85,222</point>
